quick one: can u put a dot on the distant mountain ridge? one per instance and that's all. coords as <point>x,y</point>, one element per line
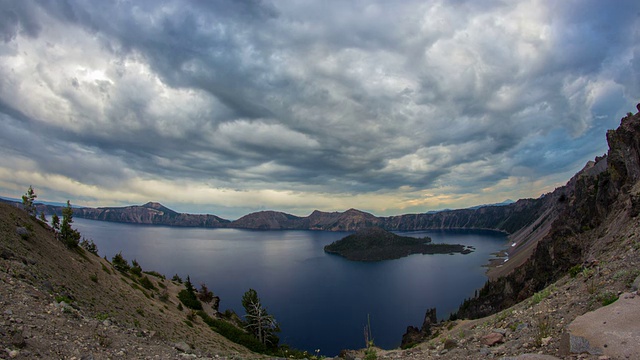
<point>151,213</point>
<point>506,217</point>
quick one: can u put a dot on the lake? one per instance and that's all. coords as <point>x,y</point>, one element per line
<point>321,301</point>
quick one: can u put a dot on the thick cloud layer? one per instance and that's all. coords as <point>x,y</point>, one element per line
<point>228,107</point>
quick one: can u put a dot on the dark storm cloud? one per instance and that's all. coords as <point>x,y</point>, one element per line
<point>325,98</point>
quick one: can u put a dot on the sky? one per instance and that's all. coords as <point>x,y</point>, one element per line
<point>231,107</point>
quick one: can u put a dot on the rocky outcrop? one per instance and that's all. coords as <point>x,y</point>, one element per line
<point>611,330</point>
<point>605,187</point>
<point>413,335</point>
<point>507,218</point>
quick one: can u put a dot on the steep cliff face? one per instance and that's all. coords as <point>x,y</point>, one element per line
<point>150,213</point>
<point>605,192</point>
<point>508,218</point>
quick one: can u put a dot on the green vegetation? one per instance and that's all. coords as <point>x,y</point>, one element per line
<point>105,269</point>
<point>188,296</point>
<point>376,244</point>
<point>89,245</point>
<point>370,352</point>
<point>146,283</point>
<point>607,298</point>
<point>543,330</point>
<point>102,316</point>
<point>68,235</point>
<point>258,321</point>
<point>574,271</point>
<point>155,273</point>
<point>120,263</point>
<point>233,333</point>
<point>135,268</point>
<point>205,295</point>
<point>541,295</point>
<point>61,298</point>
<point>27,201</point>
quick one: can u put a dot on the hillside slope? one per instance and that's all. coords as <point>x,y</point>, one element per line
<point>108,315</point>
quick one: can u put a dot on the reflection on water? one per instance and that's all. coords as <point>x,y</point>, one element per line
<point>321,301</point>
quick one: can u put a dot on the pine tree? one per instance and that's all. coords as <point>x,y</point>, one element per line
<point>27,201</point>
<point>262,325</point>
<point>55,222</point>
<point>68,235</point>
<point>205,295</point>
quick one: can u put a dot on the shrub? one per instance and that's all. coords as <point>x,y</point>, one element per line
<point>155,273</point>
<point>189,300</point>
<point>89,245</point>
<point>164,295</point>
<point>105,269</point>
<point>146,283</point>
<point>607,298</point>
<point>135,268</point>
<point>574,271</point>
<point>120,263</point>
<point>233,333</point>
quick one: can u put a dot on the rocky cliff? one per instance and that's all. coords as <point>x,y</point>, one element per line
<point>599,201</point>
<point>151,213</point>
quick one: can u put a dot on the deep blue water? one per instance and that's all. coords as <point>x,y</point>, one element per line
<point>321,301</point>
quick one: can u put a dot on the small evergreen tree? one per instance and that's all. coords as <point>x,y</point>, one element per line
<point>259,323</point>
<point>68,235</point>
<point>120,263</point>
<point>205,295</point>
<point>188,296</point>
<point>27,201</point>
<point>135,268</point>
<point>55,222</point>
<point>89,245</point>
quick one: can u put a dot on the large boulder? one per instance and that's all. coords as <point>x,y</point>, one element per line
<point>611,330</point>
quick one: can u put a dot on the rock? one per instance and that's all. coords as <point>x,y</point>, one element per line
<point>636,284</point>
<point>492,339</point>
<point>182,346</point>
<point>573,344</point>
<point>611,330</point>
<point>413,335</point>
<point>23,232</point>
<point>500,331</point>
<point>18,340</point>
<point>215,303</point>
<point>450,344</point>
<point>545,341</point>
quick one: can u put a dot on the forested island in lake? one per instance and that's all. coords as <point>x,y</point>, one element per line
<point>376,244</point>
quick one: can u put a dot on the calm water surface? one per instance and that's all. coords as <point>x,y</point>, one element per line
<point>321,301</point>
